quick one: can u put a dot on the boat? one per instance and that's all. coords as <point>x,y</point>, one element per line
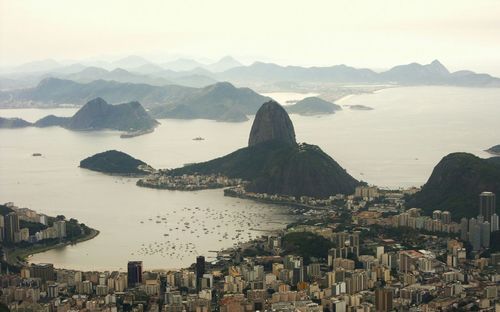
<point>36,154</point>
<point>198,139</point>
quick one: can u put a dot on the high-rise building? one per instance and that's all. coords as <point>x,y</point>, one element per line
<point>487,205</point>
<point>464,228</point>
<point>366,192</point>
<point>383,299</point>
<point>436,215</point>
<point>44,271</point>
<point>2,228</point>
<point>446,217</point>
<point>11,227</point>
<point>475,234</point>
<point>60,227</point>
<point>380,252</point>
<point>494,222</point>
<point>485,234</point>
<point>134,273</point>
<point>200,270</point>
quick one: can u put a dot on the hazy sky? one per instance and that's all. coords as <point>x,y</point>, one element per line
<point>375,34</point>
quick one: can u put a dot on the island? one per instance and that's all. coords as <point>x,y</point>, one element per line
<point>494,150</point>
<point>28,232</point>
<point>116,162</point>
<point>360,107</point>
<point>313,106</point>
<point>13,123</point>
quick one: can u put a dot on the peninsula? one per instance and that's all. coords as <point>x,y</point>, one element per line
<point>28,232</point>
<point>273,162</point>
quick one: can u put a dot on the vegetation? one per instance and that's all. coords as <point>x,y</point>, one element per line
<point>313,106</point>
<point>307,245</point>
<point>114,162</point>
<point>455,185</point>
<point>279,168</point>
<point>33,227</point>
<point>98,114</point>
<point>495,241</point>
<point>13,123</point>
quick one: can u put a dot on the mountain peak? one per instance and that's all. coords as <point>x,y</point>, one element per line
<point>438,67</point>
<point>272,123</point>
<point>97,101</point>
<point>225,63</point>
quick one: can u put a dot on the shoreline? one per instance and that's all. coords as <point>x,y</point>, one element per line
<point>229,193</point>
<point>21,256</point>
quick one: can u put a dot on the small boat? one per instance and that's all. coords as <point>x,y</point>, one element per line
<point>36,154</point>
<point>198,139</point>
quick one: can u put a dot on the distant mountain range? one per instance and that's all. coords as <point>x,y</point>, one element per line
<point>455,185</point>
<point>55,91</point>
<point>411,74</point>
<point>188,72</point>
<point>221,101</point>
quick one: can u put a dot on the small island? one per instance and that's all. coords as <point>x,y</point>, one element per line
<point>116,162</point>
<point>13,123</point>
<point>31,232</point>
<point>494,150</point>
<point>311,106</point>
<point>360,107</point>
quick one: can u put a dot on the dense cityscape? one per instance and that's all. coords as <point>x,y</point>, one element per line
<point>366,252</point>
<point>240,156</point>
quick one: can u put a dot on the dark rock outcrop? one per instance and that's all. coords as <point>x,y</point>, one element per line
<point>455,185</point>
<point>115,162</point>
<point>271,123</point>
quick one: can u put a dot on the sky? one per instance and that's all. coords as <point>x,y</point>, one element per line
<point>368,33</point>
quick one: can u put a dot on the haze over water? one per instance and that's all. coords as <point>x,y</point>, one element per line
<point>395,145</point>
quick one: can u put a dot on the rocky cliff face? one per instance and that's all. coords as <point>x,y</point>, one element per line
<point>272,123</point>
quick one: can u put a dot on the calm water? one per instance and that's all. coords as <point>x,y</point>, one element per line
<point>395,145</point>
